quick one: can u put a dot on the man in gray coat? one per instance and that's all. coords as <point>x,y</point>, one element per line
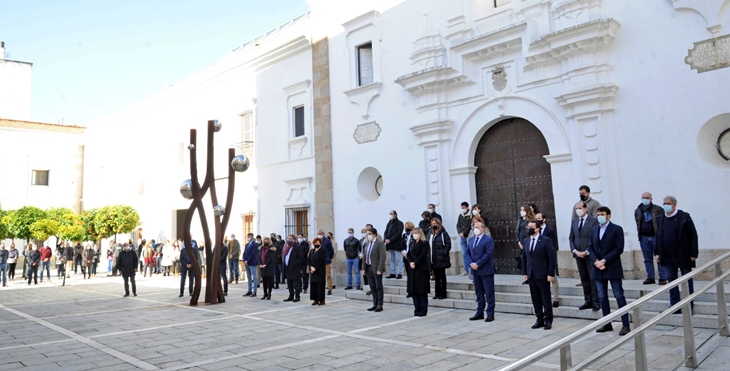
<point>234,253</point>
<point>580,232</point>
<point>374,257</point>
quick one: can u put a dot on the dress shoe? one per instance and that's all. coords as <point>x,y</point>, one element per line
<point>525,282</point>
<point>556,304</point>
<point>662,282</point>
<point>391,276</point>
<point>359,288</point>
<point>263,297</point>
<point>321,303</point>
<point>596,308</point>
<point>408,296</point>
<point>305,291</point>
<point>579,284</point>
<point>334,287</point>
<point>400,276</point>
<point>538,325</point>
<point>268,297</point>
<point>372,308</point>
<point>329,292</point>
<point>605,328</point>
<point>379,309</point>
<point>348,288</point>
<point>253,295</point>
<point>289,299</point>
<point>181,295</point>
<point>315,302</point>
<point>489,319</point>
<point>236,282</point>
<point>134,293</point>
<point>548,326</point>
<point>476,317</point>
<point>584,306</point>
<point>276,287</point>
<point>125,295</point>
<point>248,293</point>
<point>369,292</point>
<point>649,281</point>
<point>296,299</point>
<point>624,330</point>
<point>436,297</point>
<point>225,294</point>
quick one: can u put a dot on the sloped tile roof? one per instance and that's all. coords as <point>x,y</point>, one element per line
<point>41,126</point>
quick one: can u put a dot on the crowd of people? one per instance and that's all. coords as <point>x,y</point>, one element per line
<point>666,234</point>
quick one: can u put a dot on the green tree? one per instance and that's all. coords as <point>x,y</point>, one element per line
<point>72,228</point>
<point>4,219</point>
<point>20,221</point>
<point>90,231</point>
<point>44,228</point>
<point>112,220</point>
<point>58,214</point>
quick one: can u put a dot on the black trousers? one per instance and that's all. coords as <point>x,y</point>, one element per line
<point>127,278</point>
<point>590,293</point>
<point>33,273</point>
<point>279,274</point>
<point>540,294</point>
<point>439,276</point>
<point>224,278</point>
<point>185,271</point>
<point>11,270</point>
<point>268,284</point>
<point>78,262</point>
<point>420,304</point>
<point>364,276</point>
<point>376,285</point>
<point>305,277</point>
<point>295,287</point>
<point>317,291</point>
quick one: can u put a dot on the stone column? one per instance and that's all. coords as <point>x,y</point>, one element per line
<point>324,208</point>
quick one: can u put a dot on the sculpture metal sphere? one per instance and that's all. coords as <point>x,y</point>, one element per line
<point>217,125</point>
<point>240,163</point>
<point>191,147</point>
<point>186,189</point>
<point>219,210</point>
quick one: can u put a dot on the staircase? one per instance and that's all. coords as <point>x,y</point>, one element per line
<point>513,297</point>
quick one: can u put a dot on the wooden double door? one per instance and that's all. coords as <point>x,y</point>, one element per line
<point>512,172</point>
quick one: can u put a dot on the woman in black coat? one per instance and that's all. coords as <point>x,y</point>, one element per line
<point>419,272</point>
<point>267,266</point>
<point>317,269</point>
<point>440,244</point>
<point>406,242</point>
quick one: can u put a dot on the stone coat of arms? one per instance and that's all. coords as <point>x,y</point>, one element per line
<point>499,78</point>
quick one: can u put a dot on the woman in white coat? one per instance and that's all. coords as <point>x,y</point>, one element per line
<point>168,258</point>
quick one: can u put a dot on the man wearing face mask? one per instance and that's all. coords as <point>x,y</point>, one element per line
<point>234,253</point>
<point>432,211</point>
<point>647,216</point>
<point>251,261</point>
<point>329,251</point>
<point>374,258</point>
<point>293,258</point>
<point>549,232</point>
<point>393,244</point>
<point>605,246</point>
<point>677,245</point>
<point>360,252</point>
<point>127,262</point>
<point>304,247</point>
<point>585,196</point>
<point>478,258</point>
<point>352,260</point>
<point>463,227</point>
<point>538,267</point>
<point>34,260</point>
<point>580,232</point>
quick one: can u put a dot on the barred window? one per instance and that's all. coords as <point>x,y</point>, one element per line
<point>297,221</point>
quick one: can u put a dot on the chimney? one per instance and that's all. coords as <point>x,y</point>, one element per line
<point>2,50</point>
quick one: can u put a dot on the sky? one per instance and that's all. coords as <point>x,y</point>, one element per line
<point>92,58</point>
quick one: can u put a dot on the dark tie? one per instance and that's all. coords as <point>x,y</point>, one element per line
<point>580,226</point>
<point>477,241</point>
<point>532,246</point>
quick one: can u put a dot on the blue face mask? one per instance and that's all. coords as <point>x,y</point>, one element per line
<point>645,201</point>
<point>667,208</point>
<point>601,219</point>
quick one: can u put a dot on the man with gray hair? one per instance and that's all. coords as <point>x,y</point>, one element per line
<point>677,247</point>
<point>647,216</point>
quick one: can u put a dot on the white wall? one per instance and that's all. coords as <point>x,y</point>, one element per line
<point>15,89</point>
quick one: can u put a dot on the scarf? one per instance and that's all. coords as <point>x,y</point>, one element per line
<point>285,251</point>
<point>264,250</point>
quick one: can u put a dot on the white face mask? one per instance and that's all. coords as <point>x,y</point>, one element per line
<point>350,235</point>
<point>300,240</point>
<point>579,212</point>
<point>416,236</point>
<point>477,232</point>
<point>364,235</point>
<point>370,237</point>
<point>431,211</point>
<point>474,212</point>
<point>320,236</point>
<point>523,213</point>
<point>464,211</point>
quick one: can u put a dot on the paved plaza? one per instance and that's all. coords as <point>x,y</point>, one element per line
<point>89,325</point>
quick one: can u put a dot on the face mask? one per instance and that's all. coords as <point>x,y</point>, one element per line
<point>35,248</point>
<point>579,212</point>
<point>523,213</point>
<point>300,240</point>
<point>320,236</point>
<point>464,211</point>
<point>304,238</point>
<point>477,232</point>
<point>126,248</point>
<point>583,197</point>
<point>350,235</point>
<point>434,227</point>
<point>645,201</point>
<point>475,212</point>
<point>290,242</point>
<point>667,208</point>
<point>431,211</point>
<point>416,236</point>
<point>531,231</point>
<point>539,223</point>
<point>601,219</point>
<point>391,216</point>
<point>370,237</point>
<point>317,246</point>
<point>364,235</point>
<point>408,230</point>
<point>249,239</point>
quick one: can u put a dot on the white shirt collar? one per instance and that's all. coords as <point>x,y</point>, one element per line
<point>672,214</point>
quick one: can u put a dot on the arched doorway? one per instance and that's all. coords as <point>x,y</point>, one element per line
<point>511,171</point>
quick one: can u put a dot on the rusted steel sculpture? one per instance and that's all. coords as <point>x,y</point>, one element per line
<point>192,190</point>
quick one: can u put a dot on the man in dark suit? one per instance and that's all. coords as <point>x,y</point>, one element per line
<point>374,257</point>
<point>549,232</point>
<point>605,246</point>
<point>293,258</point>
<point>478,258</point>
<point>538,267</point>
<point>580,232</point>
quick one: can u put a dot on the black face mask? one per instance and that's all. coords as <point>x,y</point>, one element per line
<point>408,230</point>
<point>531,231</point>
<point>539,223</point>
<point>583,197</point>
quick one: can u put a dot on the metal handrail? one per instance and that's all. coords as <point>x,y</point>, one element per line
<point>638,333</point>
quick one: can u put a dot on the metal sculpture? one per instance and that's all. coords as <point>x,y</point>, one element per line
<point>191,189</point>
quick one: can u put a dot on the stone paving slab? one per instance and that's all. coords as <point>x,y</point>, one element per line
<point>89,325</point>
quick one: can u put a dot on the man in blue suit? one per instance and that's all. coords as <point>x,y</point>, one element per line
<point>538,268</point>
<point>605,247</point>
<point>479,258</point>
<point>552,234</point>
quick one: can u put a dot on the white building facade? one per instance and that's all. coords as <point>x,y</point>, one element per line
<point>501,103</point>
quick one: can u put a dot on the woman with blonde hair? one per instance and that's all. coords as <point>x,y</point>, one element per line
<point>419,271</point>
<point>405,241</point>
<point>440,243</point>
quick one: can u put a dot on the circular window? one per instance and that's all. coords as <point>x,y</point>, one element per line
<point>370,184</point>
<point>723,144</point>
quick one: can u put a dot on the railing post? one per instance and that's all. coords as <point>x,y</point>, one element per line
<point>639,342</point>
<point>721,306</point>
<point>690,353</point>
<point>566,358</point>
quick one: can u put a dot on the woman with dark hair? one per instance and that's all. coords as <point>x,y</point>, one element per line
<point>88,262</point>
<point>440,244</point>
<point>425,222</point>
<point>267,264</point>
<point>316,268</point>
<point>405,241</point>
<point>476,210</point>
<point>526,214</point>
<point>12,261</point>
<point>418,273</point>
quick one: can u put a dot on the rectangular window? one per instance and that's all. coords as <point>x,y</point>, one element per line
<point>501,2</point>
<point>365,64</point>
<point>40,177</point>
<point>247,224</point>
<point>297,221</point>
<point>247,135</point>
<point>299,121</point>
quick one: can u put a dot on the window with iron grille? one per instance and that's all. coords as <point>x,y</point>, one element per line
<point>297,221</point>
